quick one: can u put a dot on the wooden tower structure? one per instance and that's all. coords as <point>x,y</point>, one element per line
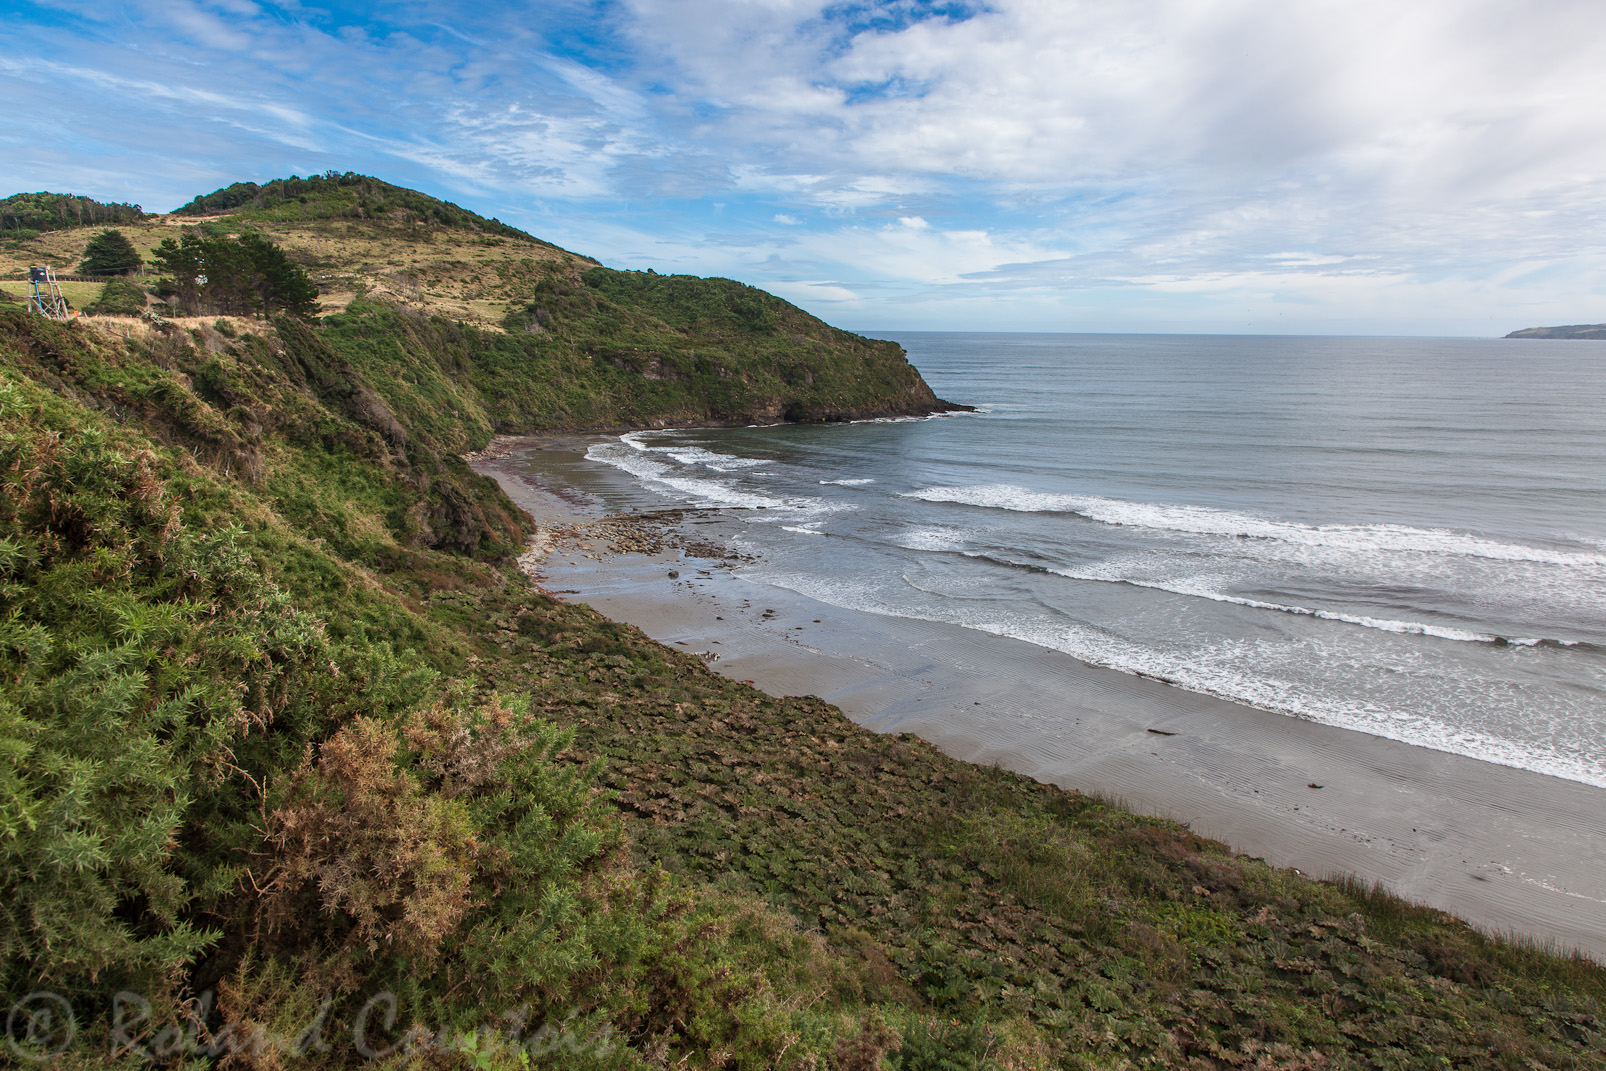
<point>44,296</point>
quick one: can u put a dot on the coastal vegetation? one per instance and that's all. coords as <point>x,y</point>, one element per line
<point>118,297</point>
<point>299,770</point>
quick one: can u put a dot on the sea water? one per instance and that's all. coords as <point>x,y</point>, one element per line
<point>1405,537</point>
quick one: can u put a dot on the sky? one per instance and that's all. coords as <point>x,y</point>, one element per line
<point>1436,167</point>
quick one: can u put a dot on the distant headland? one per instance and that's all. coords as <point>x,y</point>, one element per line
<point>1573,331</point>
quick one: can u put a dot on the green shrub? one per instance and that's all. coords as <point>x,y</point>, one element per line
<point>937,1044</point>
<point>118,297</point>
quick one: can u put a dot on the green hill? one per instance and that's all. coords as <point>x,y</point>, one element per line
<point>340,196</point>
<point>294,762</point>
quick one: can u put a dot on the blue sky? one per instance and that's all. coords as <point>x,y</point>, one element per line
<point>1298,166</point>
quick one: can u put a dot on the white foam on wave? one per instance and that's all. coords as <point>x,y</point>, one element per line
<point>1203,520</point>
<point>856,482</point>
<point>714,493</point>
<point>1233,670</point>
<point>689,470</point>
<point>687,454</point>
<point>646,464</point>
<point>980,410</point>
<point>804,529</point>
<point>1201,591</point>
<point>933,539</point>
<point>696,455</point>
<point>633,439</point>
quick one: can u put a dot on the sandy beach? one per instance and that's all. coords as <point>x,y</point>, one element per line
<point>1508,850</point>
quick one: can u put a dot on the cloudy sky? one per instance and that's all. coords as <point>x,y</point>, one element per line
<point>1298,166</point>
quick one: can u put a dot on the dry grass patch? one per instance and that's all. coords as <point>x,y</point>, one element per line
<point>460,275</point>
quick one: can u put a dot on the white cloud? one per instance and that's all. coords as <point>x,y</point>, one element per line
<point>1359,123</point>
<point>1043,154</point>
<point>807,292</point>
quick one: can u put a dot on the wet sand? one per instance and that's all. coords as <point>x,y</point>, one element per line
<point>1508,850</point>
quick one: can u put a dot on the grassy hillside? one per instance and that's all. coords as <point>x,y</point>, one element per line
<point>456,272</point>
<point>293,753</point>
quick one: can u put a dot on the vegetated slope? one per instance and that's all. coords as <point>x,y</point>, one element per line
<point>231,759</point>
<point>279,722</point>
<point>600,364</point>
<point>699,350</point>
<point>520,334</point>
<point>1588,331</point>
<point>460,274</point>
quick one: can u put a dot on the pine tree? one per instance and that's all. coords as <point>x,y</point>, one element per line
<point>110,253</point>
<point>277,283</point>
<point>244,276</point>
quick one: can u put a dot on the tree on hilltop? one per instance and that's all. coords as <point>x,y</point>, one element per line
<point>110,253</point>
<point>244,276</point>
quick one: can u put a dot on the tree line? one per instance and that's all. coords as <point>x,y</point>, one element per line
<point>60,211</point>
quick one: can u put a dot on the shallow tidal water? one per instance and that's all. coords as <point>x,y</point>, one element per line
<point>1405,537</point>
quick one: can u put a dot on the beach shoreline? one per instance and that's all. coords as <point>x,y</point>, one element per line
<point>1508,850</point>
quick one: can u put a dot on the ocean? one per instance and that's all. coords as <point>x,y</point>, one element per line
<point>1405,537</point>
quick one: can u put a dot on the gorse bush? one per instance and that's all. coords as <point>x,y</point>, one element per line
<point>208,794</point>
<point>119,297</point>
<point>133,652</point>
